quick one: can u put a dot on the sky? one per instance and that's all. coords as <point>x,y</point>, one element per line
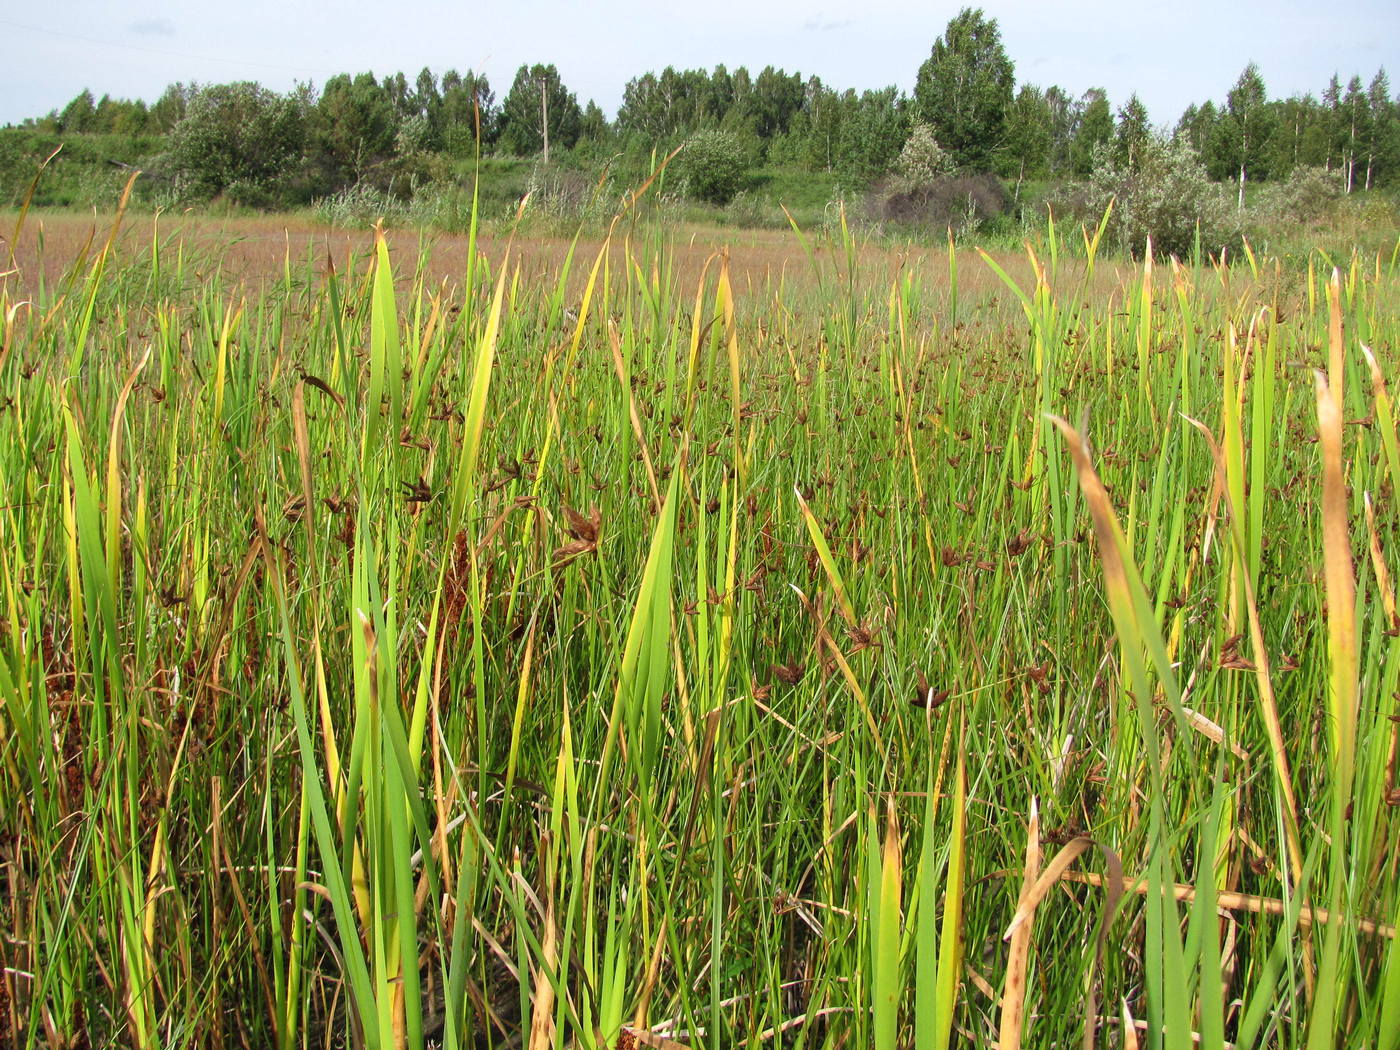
<point>1170,53</point>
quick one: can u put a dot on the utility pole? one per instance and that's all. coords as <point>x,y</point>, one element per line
<point>544,115</point>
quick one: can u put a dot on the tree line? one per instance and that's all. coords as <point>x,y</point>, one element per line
<point>266,148</point>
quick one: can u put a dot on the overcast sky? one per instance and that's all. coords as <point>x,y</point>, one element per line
<point>1171,54</point>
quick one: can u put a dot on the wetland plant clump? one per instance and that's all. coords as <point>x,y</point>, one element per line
<point>623,651</point>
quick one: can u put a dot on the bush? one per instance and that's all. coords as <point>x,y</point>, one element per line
<point>360,205</point>
<point>711,166</point>
<point>1167,196</point>
<point>922,160</point>
<point>91,171</point>
<point>1308,196</point>
<point>237,139</point>
<point>745,211</point>
<point>561,199</point>
<point>962,204</point>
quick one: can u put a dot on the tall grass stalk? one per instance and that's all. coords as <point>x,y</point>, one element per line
<point>640,646</point>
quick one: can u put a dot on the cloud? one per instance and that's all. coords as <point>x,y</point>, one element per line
<point>152,27</point>
<point>821,24</point>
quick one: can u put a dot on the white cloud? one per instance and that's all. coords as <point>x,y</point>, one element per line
<point>153,27</point>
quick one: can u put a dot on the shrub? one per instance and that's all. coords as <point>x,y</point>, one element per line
<point>1166,196</point>
<point>237,139</point>
<point>1308,196</point>
<point>360,205</point>
<point>961,204</point>
<point>711,166</point>
<point>564,198</point>
<point>922,160</point>
<point>752,210</point>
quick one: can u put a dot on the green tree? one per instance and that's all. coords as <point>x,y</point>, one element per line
<point>424,105</point>
<point>104,115</point>
<point>657,108</point>
<point>426,96</point>
<point>719,96</point>
<point>465,100</point>
<point>1383,138</point>
<point>1063,114</point>
<point>593,125</point>
<point>1133,136</point>
<point>1029,136</point>
<point>776,98</point>
<point>1332,121</point>
<point>965,87</point>
<point>79,114</point>
<point>873,131</point>
<point>354,127</point>
<point>132,120</point>
<point>1245,126</point>
<point>740,87</point>
<point>1197,125</point>
<point>1168,198</point>
<point>1298,139</point>
<point>821,132</point>
<point>396,90</point>
<point>539,112</point>
<point>1354,126</point>
<point>170,107</point>
<point>1093,128</point>
<point>240,140</point>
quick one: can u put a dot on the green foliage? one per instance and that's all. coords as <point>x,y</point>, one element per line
<point>354,129</point>
<point>237,139</point>
<point>1132,141</point>
<point>1352,121</point>
<point>539,113</point>
<point>1196,125</point>
<point>964,89</point>
<point>79,115</point>
<point>1167,197</point>
<point>593,124</point>
<point>1030,136</point>
<point>1308,197</point>
<point>399,134</point>
<point>874,130</point>
<point>355,682</point>
<point>1063,114</point>
<point>768,110</point>
<point>1240,143</point>
<point>465,100</point>
<point>661,106</point>
<point>89,171</point>
<point>84,115</point>
<point>1093,130</point>
<point>711,166</point>
<point>168,110</point>
<point>1381,147</point>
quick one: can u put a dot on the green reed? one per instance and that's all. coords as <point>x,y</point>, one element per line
<point>617,658</point>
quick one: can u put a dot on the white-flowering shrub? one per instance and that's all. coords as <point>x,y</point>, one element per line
<point>922,160</point>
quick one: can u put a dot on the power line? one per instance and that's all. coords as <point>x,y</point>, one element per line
<point>162,51</point>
